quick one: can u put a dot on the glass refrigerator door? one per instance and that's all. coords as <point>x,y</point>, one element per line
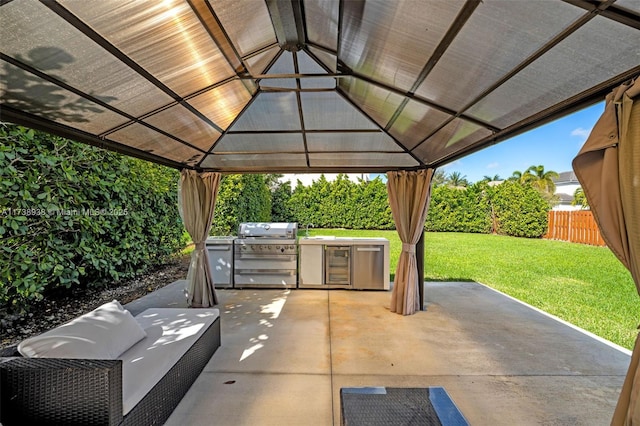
<point>338,265</point>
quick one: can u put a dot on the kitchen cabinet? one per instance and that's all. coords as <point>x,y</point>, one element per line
<point>367,268</point>
<point>311,267</point>
<point>220,258</point>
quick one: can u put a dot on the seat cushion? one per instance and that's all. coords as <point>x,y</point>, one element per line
<point>170,334</point>
<point>104,333</point>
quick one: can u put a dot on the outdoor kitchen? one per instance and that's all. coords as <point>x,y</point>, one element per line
<point>270,255</point>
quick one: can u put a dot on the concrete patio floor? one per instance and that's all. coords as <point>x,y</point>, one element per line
<point>285,355</point>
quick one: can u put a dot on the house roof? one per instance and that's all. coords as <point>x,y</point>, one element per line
<point>566,178</point>
<point>308,85</point>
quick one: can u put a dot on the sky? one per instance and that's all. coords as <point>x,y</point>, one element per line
<point>553,145</point>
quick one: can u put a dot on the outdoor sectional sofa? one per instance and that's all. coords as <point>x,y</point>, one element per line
<point>108,368</point>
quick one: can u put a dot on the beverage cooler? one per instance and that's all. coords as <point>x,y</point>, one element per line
<point>337,262</point>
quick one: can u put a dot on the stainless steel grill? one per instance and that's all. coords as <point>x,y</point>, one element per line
<point>266,255</point>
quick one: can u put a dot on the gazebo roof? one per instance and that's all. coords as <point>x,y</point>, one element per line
<point>308,85</point>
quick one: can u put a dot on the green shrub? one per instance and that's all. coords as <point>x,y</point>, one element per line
<point>280,196</point>
<point>455,209</point>
<point>71,214</point>
<point>304,205</point>
<point>342,203</point>
<point>241,198</point>
<point>520,210</point>
<point>510,208</point>
<point>370,206</point>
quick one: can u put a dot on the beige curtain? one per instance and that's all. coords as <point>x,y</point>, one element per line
<point>608,167</point>
<point>409,193</point>
<point>197,199</point>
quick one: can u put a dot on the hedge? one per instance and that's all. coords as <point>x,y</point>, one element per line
<point>241,198</point>
<point>454,209</point>
<point>521,211</point>
<point>71,214</point>
<point>510,208</point>
<point>342,203</point>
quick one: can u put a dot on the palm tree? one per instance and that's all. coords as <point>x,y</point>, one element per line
<point>439,178</point>
<point>580,199</point>
<point>493,178</point>
<point>457,179</point>
<point>518,176</point>
<point>541,179</point>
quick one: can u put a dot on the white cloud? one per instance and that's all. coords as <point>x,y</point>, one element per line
<point>493,165</point>
<point>580,132</point>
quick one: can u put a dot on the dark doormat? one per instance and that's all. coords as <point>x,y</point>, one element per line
<point>380,406</point>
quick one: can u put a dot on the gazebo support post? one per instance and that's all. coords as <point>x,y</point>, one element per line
<point>420,264</point>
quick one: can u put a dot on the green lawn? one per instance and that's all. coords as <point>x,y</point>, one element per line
<point>584,285</point>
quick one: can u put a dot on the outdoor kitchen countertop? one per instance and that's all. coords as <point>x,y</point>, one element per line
<point>328,239</point>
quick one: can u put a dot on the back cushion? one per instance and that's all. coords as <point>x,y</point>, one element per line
<point>103,333</point>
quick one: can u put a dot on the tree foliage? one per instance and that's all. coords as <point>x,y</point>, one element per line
<point>510,208</point>
<point>280,206</point>
<point>241,198</point>
<point>542,179</point>
<point>455,209</point>
<point>494,178</point>
<point>520,210</point>
<point>439,178</point>
<point>371,209</point>
<point>342,203</point>
<point>457,179</point>
<point>71,214</point>
<point>580,199</point>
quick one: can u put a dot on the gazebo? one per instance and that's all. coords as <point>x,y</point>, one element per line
<point>228,86</point>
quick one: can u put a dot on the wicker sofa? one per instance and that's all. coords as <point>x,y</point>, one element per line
<point>142,386</point>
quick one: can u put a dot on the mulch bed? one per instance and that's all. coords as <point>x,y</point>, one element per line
<point>64,306</point>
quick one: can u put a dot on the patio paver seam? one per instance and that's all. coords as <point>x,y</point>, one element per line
<point>333,413</point>
<point>481,375</point>
<point>266,373</point>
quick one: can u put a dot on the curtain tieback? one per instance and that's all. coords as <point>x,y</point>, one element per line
<point>409,248</point>
<point>200,246</point>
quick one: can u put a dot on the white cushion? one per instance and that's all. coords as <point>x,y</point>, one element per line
<point>170,334</point>
<point>104,333</point>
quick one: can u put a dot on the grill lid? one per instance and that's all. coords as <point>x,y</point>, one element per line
<point>268,230</point>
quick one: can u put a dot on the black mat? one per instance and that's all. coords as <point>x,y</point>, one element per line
<point>381,406</point>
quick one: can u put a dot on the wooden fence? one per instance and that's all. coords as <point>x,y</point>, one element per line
<point>574,226</point>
